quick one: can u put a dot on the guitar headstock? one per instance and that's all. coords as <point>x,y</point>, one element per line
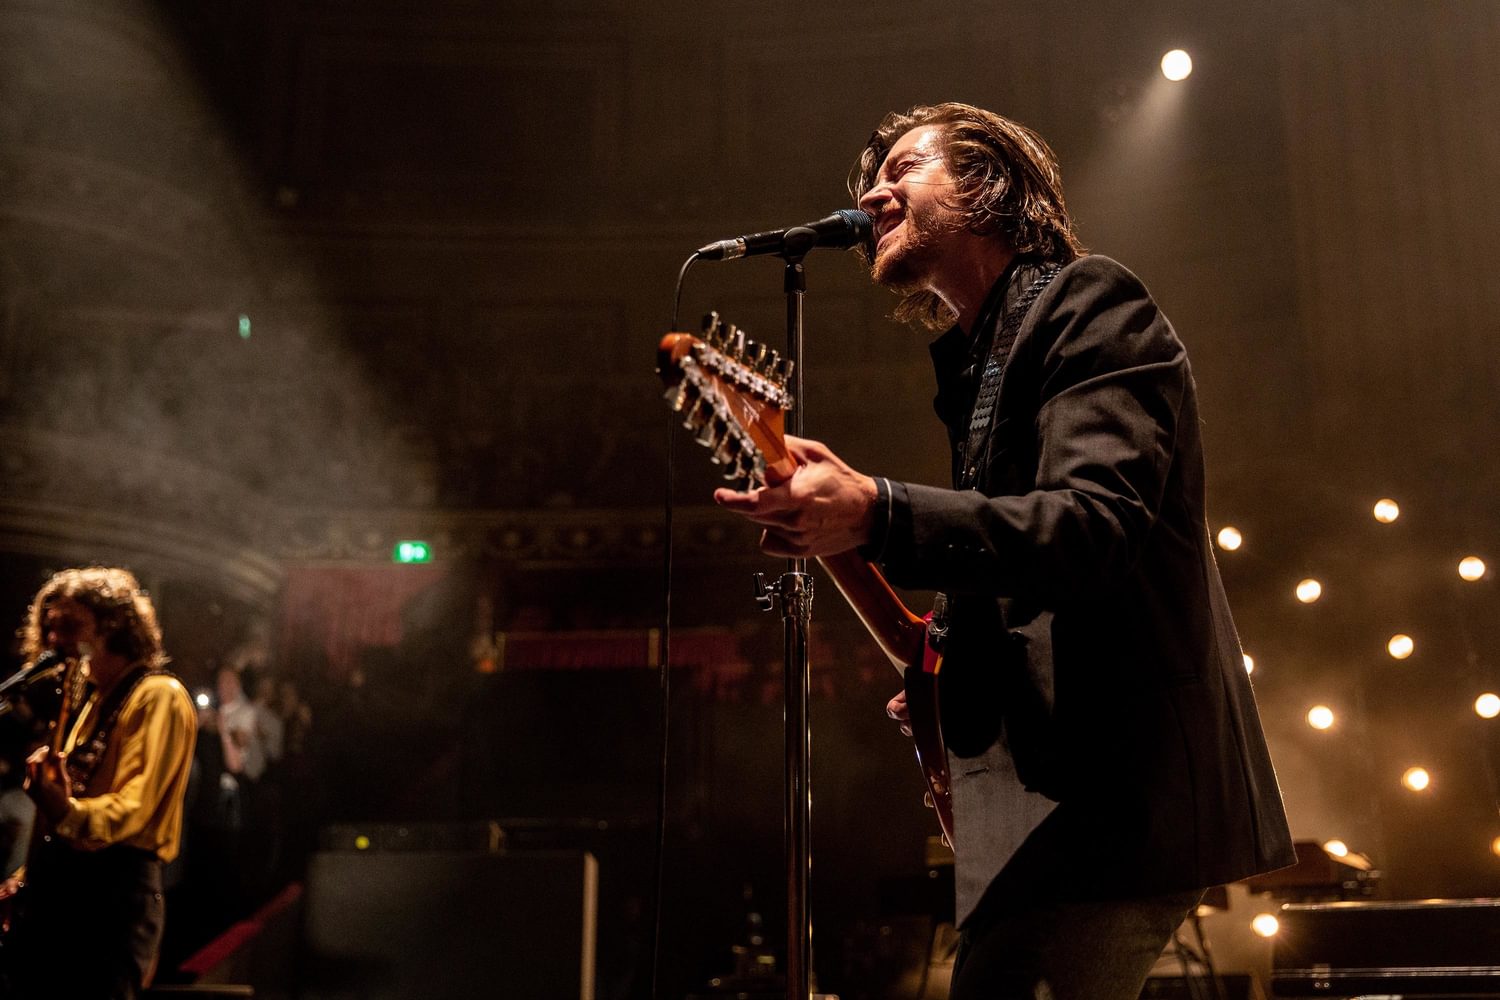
<point>732,393</point>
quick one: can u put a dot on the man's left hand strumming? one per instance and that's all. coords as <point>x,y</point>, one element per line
<point>824,508</point>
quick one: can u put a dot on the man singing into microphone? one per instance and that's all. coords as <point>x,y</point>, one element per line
<point>1108,762</point>
<point>108,793</point>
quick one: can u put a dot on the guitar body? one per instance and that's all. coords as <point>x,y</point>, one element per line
<point>732,395</point>
<point>927,737</point>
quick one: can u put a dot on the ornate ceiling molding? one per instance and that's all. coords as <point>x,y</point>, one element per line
<point>150,545</point>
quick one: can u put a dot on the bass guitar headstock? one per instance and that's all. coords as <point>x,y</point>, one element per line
<point>732,393</point>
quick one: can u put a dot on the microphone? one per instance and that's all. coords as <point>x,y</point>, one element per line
<point>48,660</point>
<point>846,228</point>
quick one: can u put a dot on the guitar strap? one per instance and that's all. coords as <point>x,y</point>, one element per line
<point>976,447</point>
<point>84,758</point>
<point>994,370</point>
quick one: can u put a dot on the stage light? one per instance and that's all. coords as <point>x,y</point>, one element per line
<point>1487,705</point>
<point>203,699</point>
<point>1265,925</point>
<point>1230,538</point>
<point>1249,663</point>
<point>1176,65</point>
<point>1471,568</point>
<point>361,843</point>
<point>1309,590</point>
<point>1495,845</point>
<point>1401,646</point>
<point>1416,779</point>
<point>1337,848</point>
<point>1320,717</point>
<point>1386,511</point>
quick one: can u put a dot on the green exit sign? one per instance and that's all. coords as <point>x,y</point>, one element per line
<point>412,552</point>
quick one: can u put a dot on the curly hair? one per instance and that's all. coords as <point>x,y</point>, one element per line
<point>1007,184</point>
<point>123,613</point>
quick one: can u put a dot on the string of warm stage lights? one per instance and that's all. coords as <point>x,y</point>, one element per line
<point>1401,645</point>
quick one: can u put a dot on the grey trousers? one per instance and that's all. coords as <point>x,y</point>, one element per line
<point>1051,950</point>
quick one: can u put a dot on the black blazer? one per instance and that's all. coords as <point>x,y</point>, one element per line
<point>1090,635</point>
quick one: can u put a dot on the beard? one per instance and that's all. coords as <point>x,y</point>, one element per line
<point>906,262</point>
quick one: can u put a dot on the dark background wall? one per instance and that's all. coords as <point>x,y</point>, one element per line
<point>450,232</point>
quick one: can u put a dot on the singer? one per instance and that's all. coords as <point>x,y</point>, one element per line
<point>109,795</point>
<point>1111,764</point>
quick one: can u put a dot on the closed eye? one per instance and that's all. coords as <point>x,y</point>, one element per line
<point>907,164</point>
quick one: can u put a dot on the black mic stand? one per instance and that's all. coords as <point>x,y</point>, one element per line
<point>794,592</point>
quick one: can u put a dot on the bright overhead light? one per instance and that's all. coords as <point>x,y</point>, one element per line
<point>1309,590</point>
<point>1320,717</point>
<point>1249,663</point>
<point>1176,65</point>
<point>1401,646</point>
<point>1387,510</point>
<point>1471,568</point>
<point>1265,925</point>
<point>1487,705</point>
<point>1230,538</point>
<point>1337,848</point>
<point>1416,778</point>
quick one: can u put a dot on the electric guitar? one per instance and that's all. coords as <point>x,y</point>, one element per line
<point>732,393</point>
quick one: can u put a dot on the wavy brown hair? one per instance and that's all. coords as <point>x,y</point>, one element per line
<point>123,613</point>
<point>1007,183</point>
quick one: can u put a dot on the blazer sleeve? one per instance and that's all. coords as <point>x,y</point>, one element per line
<point>1108,377</point>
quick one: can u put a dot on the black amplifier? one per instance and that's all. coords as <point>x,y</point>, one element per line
<point>1427,948</point>
<point>484,836</point>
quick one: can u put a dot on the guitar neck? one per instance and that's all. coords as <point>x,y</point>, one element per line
<point>66,707</point>
<point>898,632</point>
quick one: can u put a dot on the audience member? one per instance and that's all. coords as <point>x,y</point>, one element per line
<point>244,751</point>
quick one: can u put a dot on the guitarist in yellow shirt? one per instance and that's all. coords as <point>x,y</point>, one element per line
<point>109,793</point>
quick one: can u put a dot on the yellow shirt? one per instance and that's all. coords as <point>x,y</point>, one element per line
<point>135,794</point>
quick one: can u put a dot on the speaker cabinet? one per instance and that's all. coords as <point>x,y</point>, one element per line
<point>1418,948</point>
<point>1230,986</point>
<point>483,836</point>
<point>449,926</point>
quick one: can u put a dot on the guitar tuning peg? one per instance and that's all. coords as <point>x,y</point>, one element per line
<point>677,396</point>
<point>745,466</point>
<point>784,370</point>
<point>711,325</point>
<point>714,431</point>
<point>772,364</point>
<point>695,415</point>
<point>728,452</point>
<point>737,342</point>
<point>758,354</point>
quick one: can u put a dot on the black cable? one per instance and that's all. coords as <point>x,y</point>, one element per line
<point>666,662</point>
<point>1182,952</point>
<point>681,275</point>
<point>1206,953</point>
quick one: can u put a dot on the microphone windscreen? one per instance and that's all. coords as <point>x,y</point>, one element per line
<point>861,230</point>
